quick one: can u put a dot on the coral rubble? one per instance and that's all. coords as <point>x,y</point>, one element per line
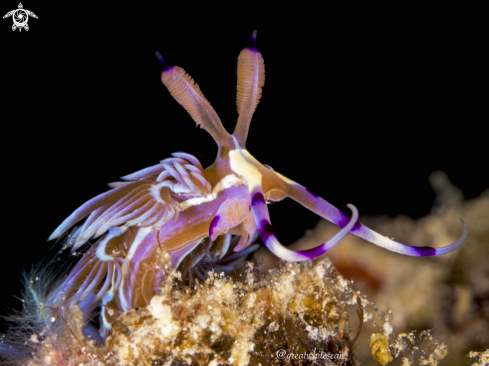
<point>298,313</point>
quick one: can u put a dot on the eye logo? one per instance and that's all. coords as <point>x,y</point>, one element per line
<point>20,17</point>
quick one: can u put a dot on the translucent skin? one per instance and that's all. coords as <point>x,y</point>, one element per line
<point>177,204</point>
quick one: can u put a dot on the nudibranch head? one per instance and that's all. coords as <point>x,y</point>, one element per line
<point>198,216</point>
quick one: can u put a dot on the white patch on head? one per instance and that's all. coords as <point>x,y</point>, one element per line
<point>239,161</point>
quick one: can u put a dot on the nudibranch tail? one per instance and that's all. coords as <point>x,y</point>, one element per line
<point>329,212</point>
<point>251,79</point>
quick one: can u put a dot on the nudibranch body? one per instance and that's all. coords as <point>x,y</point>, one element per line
<point>197,215</point>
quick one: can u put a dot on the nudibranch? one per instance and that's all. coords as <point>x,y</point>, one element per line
<point>199,216</point>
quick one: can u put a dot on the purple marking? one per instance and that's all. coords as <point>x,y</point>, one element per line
<point>424,251</point>
<point>265,229</point>
<point>253,49</point>
<point>167,69</point>
<point>257,199</point>
<point>253,39</point>
<point>345,220</point>
<point>313,252</point>
<point>214,222</point>
<point>312,194</point>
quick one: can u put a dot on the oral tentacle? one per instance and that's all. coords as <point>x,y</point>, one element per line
<point>329,212</point>
<point>262,218</point>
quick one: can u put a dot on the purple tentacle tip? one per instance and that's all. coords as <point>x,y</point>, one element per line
<point>253,41</point>
<point>162,61</point>
<point>213,225</point>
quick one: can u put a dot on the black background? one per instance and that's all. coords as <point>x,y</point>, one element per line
<point>360,105</point>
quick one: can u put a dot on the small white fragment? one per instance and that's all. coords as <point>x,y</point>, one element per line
<point>405,361</point>
<point>34,338</point>
<point>273,327</point>
<point>251,300</point>
<point>159,310</point>
<point>387,328</point>
<point>342,281</point>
